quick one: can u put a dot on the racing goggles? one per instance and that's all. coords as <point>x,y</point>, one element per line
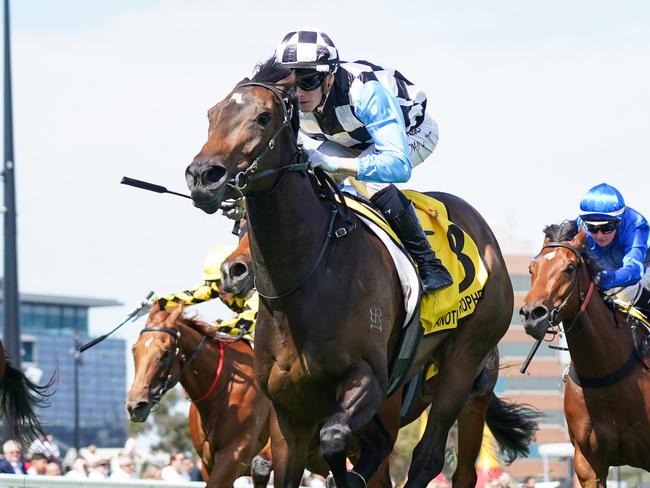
<point>309,80</point>
<point>602,227</point>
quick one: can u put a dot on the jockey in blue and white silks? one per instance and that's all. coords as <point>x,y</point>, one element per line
<point>373,123</point>
<point>618,242</point>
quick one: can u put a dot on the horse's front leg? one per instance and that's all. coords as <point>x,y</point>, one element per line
<point>359,401</point>
<point>290,439</point>
<point>227,465</point>
<point>589,475</point>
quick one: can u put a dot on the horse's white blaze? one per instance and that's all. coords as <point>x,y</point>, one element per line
<point>238,98</point>
<point>549,256</point>
<point>148,342</point>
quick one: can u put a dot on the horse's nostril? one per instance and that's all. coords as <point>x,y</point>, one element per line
<point>214,174</point>
<point>539,312</point>
<point>238,270</point>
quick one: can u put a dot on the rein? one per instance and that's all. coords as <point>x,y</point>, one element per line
<point>176,335</point>
<point>241,180</point>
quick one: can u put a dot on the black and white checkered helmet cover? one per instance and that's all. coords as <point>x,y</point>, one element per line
<point>308,49</point>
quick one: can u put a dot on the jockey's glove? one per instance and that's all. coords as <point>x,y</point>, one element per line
<point>332,164</point>
<point>233,210</point>
<point>144,307</point>
<point>605,279</point>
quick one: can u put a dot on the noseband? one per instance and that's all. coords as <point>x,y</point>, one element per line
<point>241,179</point>
<point>553,318</point>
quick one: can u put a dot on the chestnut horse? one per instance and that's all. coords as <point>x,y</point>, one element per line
<point>607,393</point>
<point>229,416</point>
<point>19,398</point>
<point>318,354</point>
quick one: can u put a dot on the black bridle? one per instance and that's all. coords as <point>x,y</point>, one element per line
<point>184,362</point>
<point>240,180</point>
<point>588,382</point>
<point>554,313</point>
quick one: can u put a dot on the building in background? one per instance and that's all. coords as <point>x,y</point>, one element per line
<point>48,324</point>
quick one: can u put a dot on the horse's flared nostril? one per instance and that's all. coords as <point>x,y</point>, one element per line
<point>213,174</point>
<point>238,270</point>
<point>138,411</point>
<point>539,312</point>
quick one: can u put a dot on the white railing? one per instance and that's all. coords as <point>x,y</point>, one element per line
<point>26,481</point>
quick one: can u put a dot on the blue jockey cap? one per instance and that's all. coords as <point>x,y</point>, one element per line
<point>602,202</point>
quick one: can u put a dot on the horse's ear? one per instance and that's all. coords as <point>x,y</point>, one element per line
<point>580,239</point>
<point>176,313</point>
<point>155,308</point>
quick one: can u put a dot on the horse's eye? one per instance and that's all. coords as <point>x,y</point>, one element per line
<point>263,119</point>
<point>570,268</point>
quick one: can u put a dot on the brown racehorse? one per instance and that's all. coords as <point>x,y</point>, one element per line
<point>607,394</point>
<point>321,282</point>
<point>18,399</point>
<point>229,416</point>
<point>512,425</point>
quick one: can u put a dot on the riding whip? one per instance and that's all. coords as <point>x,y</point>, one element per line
<point>529,358</point>
<point>134,314</point>
<point>145,185</point>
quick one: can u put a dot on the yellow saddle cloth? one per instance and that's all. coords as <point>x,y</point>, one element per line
<point>632,311</point>
<point>441,310</point>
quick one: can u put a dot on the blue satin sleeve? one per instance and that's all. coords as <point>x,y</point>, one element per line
<point>633,262</point>
<point>380,112</point>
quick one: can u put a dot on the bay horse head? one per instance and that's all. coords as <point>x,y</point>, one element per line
<point>257,119</point>
<point>559,277</point>
<point>237,269</point>
<point>157,358</point>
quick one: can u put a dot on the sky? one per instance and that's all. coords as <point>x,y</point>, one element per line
<point>536,103</point>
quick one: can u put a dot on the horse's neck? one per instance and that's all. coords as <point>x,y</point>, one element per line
<point>196,378</point>
<point>597,343</point>
<point>286,227</point>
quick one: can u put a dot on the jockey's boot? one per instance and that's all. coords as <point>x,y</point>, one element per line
<point>643,302</point>
<point>400,214</point>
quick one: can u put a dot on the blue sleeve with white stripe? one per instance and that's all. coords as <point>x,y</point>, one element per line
<point>382,117</point>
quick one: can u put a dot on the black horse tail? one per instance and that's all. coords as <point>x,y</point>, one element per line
<point>513,426</point>
<point>19,398</point>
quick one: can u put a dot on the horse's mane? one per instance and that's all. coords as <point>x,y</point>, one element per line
<point>200,326</point>
<point>565,231</point>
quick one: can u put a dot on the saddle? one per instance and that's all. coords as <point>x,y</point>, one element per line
<point>440,310</point>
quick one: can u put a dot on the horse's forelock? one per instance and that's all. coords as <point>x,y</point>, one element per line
<point>270,71</point>
<point>565,231</point>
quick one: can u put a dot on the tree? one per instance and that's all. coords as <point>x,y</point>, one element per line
<point>168,422</point>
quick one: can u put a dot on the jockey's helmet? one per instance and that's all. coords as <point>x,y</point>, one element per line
<point>308,49</point>
<point>212,263</point>
<point>602,203</point>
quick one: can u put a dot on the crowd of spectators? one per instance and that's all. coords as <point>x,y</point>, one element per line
<point>44,458</point>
